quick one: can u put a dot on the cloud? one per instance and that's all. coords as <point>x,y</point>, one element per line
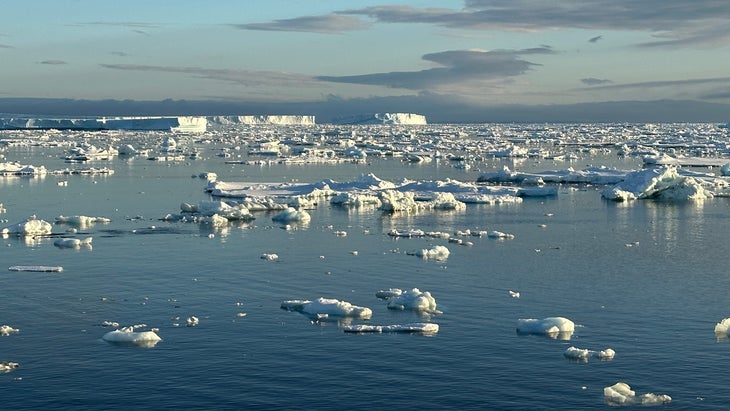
<point>591,81</point>
<point>5,46</point>
<point>119,53</point>
<point>455,66</point>
<point>682,22</point>
<point>330,23</point>
<point>53,62</point>
<point>595,39</point>
<point>242,77</point>
<point>664,83</point>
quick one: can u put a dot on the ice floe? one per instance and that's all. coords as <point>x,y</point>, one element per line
<point>663,183</point>
<point>722,328</point>
<point>413,299</point>
<point>17,169</point>
<point>553,327</point>
<point>129,335</point>
<point>37,268</point>
<point>6,330</point>
<point>31,227</point>
<point>621,394</point>
<point>81,221</point>
<point>583,354</point>
<point>291,215</point>
<point>73,242</point>
<point>437,252</point>
<point>420,328</point>
<point>7,366</point>
<point>323,308</point>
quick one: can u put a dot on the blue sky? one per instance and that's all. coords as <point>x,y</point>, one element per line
<point>478,53</point>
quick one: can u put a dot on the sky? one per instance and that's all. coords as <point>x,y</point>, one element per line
<point>474,55</point>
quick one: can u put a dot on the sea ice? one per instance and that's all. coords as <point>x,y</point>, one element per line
<point>128,335</point>
<point>37,268</point>
<point>7,366</point>
<point>437,252</point>
<point>663,183</point>
<point>582,354</point>
<point>413,299</point>
<point>553,327</point>
<point>73,242</point>
<point>325,307</point>
<point>622,394</point>
<point>269,256</point>
<point>6,330</point>
<point>31,227</point>
<point>291,214</point>
<point>722,328</point>
<point>421,328</point>
<point>81,221</point>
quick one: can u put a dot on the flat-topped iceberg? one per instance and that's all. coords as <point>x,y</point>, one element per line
<point>621,394</point>
<point>411,328</point>
<point>553,327</point>
<point>81,221</point>
<point>31,227</point>
<point>129,335</point>
<point>17,169</point>
<point>664,183</point>
<point>323,308</point>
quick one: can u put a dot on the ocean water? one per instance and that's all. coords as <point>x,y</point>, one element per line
<point>648,279</point>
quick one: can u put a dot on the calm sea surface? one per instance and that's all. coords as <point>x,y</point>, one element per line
<point>647,279</point>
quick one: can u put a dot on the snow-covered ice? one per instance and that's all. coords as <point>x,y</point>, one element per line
<point>554,327</point>
<point>663,183</point>
<point>621,394</point>
<point>323,308</point>
<point>437,252</point>
<point>6,330</point>
<point>73,242</point>
<point>583,354</point>
<point>413,299</point>
<point>31,227</point>
<point>291,215</point>
<point>129,335</point>
<point>421,328</point>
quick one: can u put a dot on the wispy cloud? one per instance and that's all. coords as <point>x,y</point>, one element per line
<point>592,81</point>
<point>454,66</point>
<point>595,39</point>
<point>242,77</point>
<point>6,46</point>
<point>663,83</point>
<point>330,23</point>
<point>53,62</point>
<point>119,53</point>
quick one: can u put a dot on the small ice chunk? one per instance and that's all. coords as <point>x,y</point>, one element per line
<point>291,214</point>
<point>37,268</point>
<point>514,294</point>
<point>419,328</point>
<point>81,220</point>
<point>389,293</point>
<point>721,328</point>
<point>128,335</point>
<point>499,234</point>
<point>31,227</point>
<point>192,321</point>
<point>327,307</point>
<point>622,394</point>
<point>269,256</point>
<point>413,300</point>
<point>6,330</point>
<point>437,252</point>
<point>553,327</point>
<point>582,354</point>
<point>7,366</point>
<point>73,242</point>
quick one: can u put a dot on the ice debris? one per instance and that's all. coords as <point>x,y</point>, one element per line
<point>326,307</point>
<point>664,183</point>
<point>31,227</point>
<point>73,242</point>
<point>128,335</point>
<point>6,330</point>
<point>553,327</point>
<point>291,214</point>
<point>7,366</point>
<point>582,354</point>
<point>412,299</point>
<point>437,252</point>
<point>420,328</point>
<point>81,221</point>
<point>621,394</point>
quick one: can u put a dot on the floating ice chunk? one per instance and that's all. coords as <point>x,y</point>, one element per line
<point>221,208</point>
<point>721,328</point>
<point>6,330</point>
<point>396,201</point>
<point>420,328</point>
<point>553,327</point>
<point>291,214</point>
<point>7,366</point>
<point>192,321</point>
<point>514,294</point>
<point>17,169</point>
<point>355,200</point>
<point>389,293</point>
<point>663,183</point>
<point>73,242</point>
<point>327,307</point>
<point>128,335</point>
<point>269,257</point>
<point>208,175</point>
<point>36,268</point>
<point>582,354</point>
<point>499,234</point>
<point>414,232</point>
<point>81,220</point>
<point>31,227</point>
<point>622,394</point>
<point>413,300</point>
<point>437,252</point>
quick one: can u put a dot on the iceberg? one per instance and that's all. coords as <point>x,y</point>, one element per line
<point>6,330</point>
<point>128,335</point>
<point>437,252</point>
<point>323,308</point>
<point>384,118</point>
<point>621,394</point>
<point>413,299</point>
<point>553,327</point>
<point>663,183</point>
<point>31,227</point>
<point>291,214</point>
<point>722,328</point>
<point>73,242</point>
<point>7,366</point>
<point>81,221</point>
<point>37,268</point>
<point>583,355</point>
<point>412,328</point>
<point>17,169</point>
